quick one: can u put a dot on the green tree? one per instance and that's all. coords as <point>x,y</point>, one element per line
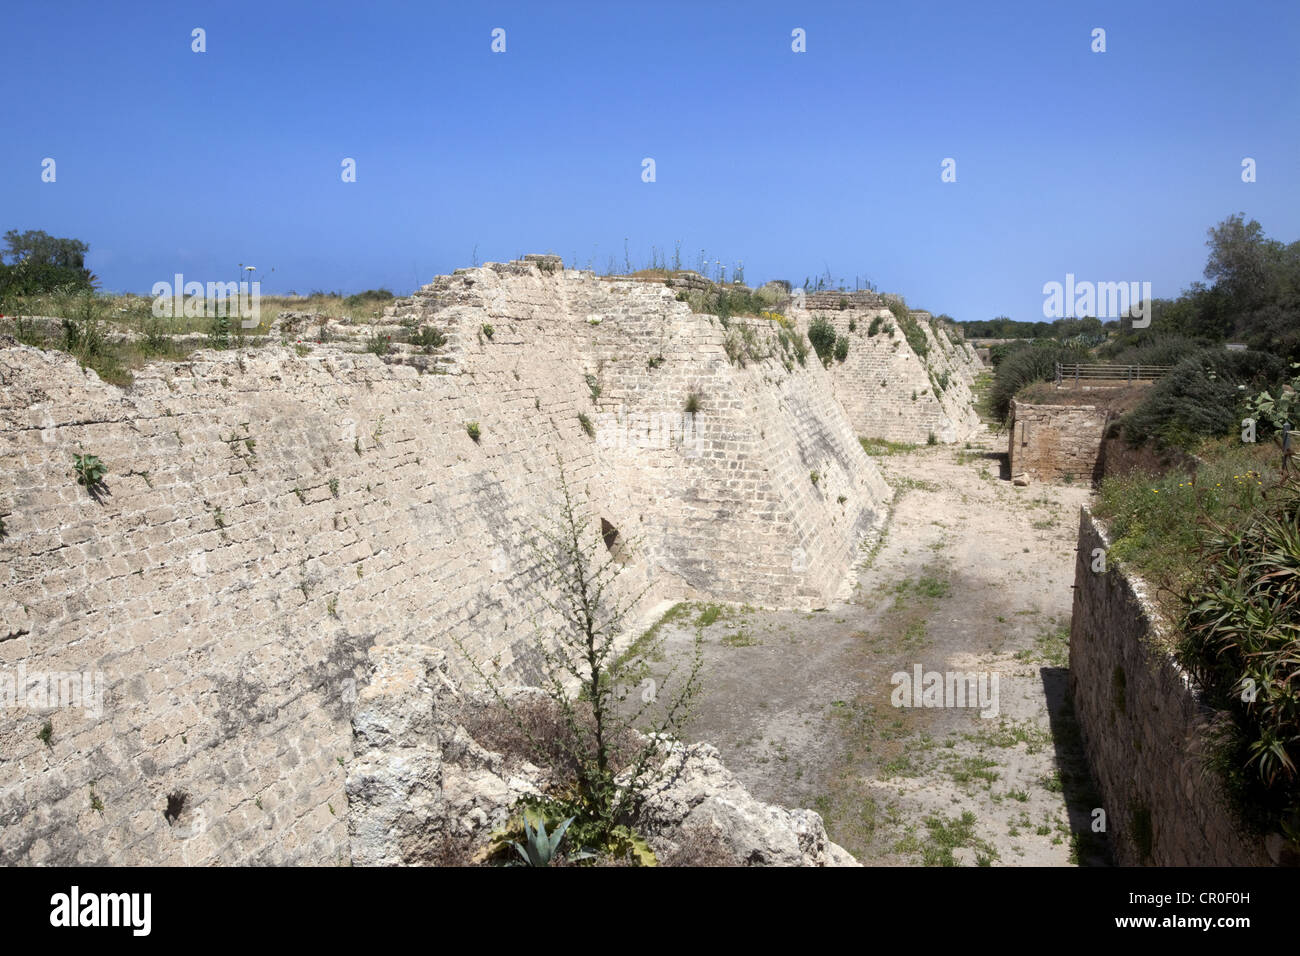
<point>41,247</point>
<point>1241,258</point>
<point>35,262</point>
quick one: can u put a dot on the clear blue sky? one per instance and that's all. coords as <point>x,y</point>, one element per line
<point>1111,166</point>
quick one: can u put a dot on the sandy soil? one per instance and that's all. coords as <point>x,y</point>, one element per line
<point>972,575</point>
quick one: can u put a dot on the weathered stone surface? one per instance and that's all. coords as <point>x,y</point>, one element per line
<point>1144,728</point>
<point>698,791</point>
<point>1050,442</point>
<point>418,776</point>
<point>886,389</point>
<point>270,518</point>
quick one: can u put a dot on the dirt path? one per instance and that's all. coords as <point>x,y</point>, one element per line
<point>972,575</point>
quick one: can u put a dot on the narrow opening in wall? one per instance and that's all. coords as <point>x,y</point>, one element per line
<point>610,534</point>
<point>175,805</point>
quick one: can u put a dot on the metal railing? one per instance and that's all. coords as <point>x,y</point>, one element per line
<point>1085,374</point>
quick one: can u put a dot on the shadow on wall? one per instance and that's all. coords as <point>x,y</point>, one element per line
<point>1119,458</point>
<point>1082,798</point>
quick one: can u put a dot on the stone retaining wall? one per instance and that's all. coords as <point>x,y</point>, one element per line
<point>1143,724</point>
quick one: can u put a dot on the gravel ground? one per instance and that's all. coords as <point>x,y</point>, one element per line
<point>972,575</point>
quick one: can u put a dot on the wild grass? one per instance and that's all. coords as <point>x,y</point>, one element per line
<point>883,447</point>
<point>1156,522</point>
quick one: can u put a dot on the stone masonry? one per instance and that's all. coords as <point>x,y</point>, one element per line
<point>1050,442</point>
<point>271,520</point>
<point>887,390</point>
<point>1143,724</point>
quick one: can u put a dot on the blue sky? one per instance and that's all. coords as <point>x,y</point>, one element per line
<point>1107,165</point>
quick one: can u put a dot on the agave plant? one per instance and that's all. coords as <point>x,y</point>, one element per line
<point>538,848</point>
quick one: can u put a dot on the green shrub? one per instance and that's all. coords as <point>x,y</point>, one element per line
<point>488,330</point>
<point>1165,350</point>
<point>692,405</point>
<point>219,333</point>
<point>1026,366</point>
<point>369,297</point>
<point>83,323</point>
<point>742,344</point>
<point>1239,640</point>
<point>1275,407</point>
<point>913,332</point>
<point>874,327</point>
<point>472,429</point>
<point>1203,397</point>
<point>90,471</point>
<point>793,344</point>
<point>1000,351</point>
<point>378,344</point>
<point>841,348</point>
<point>156,340</point>
<point>587,425</point>
<point>822,336</point>
<point>428,338</point>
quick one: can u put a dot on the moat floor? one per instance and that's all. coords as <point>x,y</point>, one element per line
<point>973,575</point>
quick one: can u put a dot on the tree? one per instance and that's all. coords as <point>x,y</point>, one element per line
<point>39,263</point>
<point>613,766</point>
<point>41,248</point>
<point>1238,255</point>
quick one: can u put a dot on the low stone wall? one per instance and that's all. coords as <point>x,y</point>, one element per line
<point>1143,724</point>
<point>1050,442</point>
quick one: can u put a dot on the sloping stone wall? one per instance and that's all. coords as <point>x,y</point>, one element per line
<point>1143,724</point>
<point>888,391</point>
<point>272,518</point>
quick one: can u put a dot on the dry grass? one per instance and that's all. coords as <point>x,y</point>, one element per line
<point>699,846</point>
<point>532,728</point>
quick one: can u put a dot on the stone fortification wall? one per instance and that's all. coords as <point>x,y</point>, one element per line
<point>271,520</point>
<point>888,390</point>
